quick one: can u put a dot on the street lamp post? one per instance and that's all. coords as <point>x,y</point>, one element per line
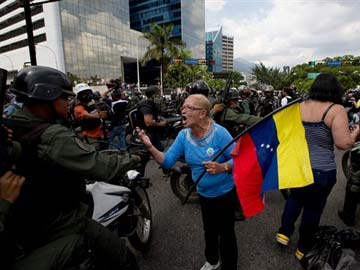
<point>137,63</point>
<point>29,29</point>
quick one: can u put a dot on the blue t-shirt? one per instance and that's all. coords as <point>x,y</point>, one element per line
<point>198,150</point>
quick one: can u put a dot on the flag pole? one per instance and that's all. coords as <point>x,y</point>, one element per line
<point>192,188</point>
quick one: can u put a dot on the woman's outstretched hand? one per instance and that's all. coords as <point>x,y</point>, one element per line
<point>144,138</point>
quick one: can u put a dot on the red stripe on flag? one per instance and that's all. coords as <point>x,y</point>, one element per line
<point>248,176</point>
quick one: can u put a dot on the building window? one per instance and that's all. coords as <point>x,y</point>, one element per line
<point>20,17</point>
<point>22,43</point>
<point>21,30</point>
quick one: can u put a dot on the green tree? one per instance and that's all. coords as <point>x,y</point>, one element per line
<point>270,76</point>
<point>162,47</point>
<point>73,78</point>
<point>179,74</point>
<point>237,79</point>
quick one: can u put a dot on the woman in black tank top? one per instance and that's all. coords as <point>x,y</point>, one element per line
<point>325,121</point>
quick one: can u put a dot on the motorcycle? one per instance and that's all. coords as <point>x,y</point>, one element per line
<point>181,182</point>
<point>123,207</point>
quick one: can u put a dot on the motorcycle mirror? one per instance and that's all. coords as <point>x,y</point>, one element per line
<point>132,174</point>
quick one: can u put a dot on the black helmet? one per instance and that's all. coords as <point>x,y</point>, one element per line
<point>199,87</point>
<point>151,90</point>
<point>233,95</point>
<point>41,83</point>
<point>116,93</point>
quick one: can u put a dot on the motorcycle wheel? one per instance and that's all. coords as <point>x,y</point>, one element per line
<point>180,184</point>
<point>141,237</point>
<point>345,164</point>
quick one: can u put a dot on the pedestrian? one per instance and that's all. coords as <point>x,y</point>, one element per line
<point>286,96</point>
<point>326,123</point>
<point>199,142</point>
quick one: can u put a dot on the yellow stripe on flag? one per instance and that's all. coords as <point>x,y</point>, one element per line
<point>294,167</point>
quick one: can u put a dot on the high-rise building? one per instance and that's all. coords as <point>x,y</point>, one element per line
<point>85,38</point>
<point>187,18</point>
<point>227,53</point>
<point>219,50</point>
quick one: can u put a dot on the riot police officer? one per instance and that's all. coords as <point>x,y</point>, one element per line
<point>268,103</point>
<point>232,116</point>
<point>198,87</point>
<point>48,219</point>
<point>149,111</point>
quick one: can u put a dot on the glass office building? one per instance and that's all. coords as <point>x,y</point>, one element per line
<point>214,49</point>
<point>219,51</point>
<point>97,38</point>
<point>187,18</point>
<point>87,38</point>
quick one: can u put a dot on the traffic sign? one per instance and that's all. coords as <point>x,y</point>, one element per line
<point>312,75</point>
<point>177,61</point>
<point>191,61</point>
<point>334,63</point>
<point>202,61</point>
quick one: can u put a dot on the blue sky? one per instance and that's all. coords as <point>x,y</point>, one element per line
<point>287,32</point>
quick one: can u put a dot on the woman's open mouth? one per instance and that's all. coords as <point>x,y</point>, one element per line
<point>183,118</point>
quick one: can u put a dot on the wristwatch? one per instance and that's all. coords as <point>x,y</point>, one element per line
<point>227,167</point>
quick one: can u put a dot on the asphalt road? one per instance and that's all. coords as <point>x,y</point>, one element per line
<point>177,240</point>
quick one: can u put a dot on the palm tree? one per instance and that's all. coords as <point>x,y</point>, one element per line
<point>270,76</point>
<point>162,48</point>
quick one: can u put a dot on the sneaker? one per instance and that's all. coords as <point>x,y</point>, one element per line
<point>282,239</point>
<point>298,254</point>
<point>208,266</point>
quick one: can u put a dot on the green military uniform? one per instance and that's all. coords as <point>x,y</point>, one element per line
<point>234,121</point>
<point>55,163</point>
<point>267,105</point>
<point>59,145</point>
<point>245,105</point>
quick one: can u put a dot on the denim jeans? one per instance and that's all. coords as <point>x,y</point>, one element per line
<point>311,199</point>
<point>120,133</point>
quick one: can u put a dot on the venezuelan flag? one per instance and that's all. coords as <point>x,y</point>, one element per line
<point>272,154</point>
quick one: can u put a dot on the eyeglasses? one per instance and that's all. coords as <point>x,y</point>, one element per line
<point>190,108</point>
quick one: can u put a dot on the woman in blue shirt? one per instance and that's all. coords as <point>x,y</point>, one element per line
<point>199,142</point>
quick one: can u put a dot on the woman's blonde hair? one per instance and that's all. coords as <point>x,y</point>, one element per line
<point>201,101</point>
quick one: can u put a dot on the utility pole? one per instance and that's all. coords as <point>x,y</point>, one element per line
<point>29,29</point>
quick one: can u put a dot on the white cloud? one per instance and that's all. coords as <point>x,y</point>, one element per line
<point>214,5</point>
<point>296,32</point>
